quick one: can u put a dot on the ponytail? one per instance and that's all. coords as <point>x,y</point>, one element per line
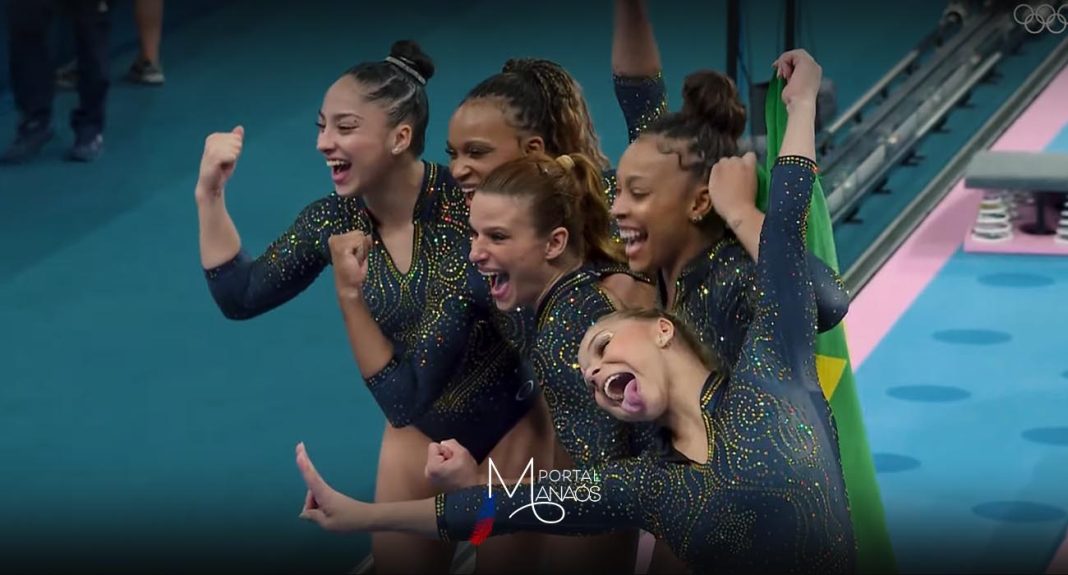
<point>592,210</point>
<point>567,192</point>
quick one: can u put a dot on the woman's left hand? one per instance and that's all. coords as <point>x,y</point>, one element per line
<point>332,510</point>
<point>803,76</point>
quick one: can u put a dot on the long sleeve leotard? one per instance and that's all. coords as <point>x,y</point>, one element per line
<point>771,497</point>
<point>452,375</point>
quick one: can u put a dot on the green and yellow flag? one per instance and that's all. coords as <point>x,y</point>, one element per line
<point>835,372</point>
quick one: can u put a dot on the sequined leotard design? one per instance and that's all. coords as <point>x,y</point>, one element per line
<point>451,375</point>
<point>642,99</point>
<point>771,497</point>
<point>589,434</point>
<point>716,292</point>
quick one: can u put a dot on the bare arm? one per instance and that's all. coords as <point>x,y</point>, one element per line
<point>219,242</point>
<point>634,49</point>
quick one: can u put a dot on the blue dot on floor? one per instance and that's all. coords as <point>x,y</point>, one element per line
<point>894,463</point>
<point>931,393</point>
<point>972,336</point>
<point>1015,280</point>
<point>1064,375</point>
<point>1018,511</point>
<point>1047,435</point>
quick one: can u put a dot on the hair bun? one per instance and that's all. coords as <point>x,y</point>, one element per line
<point>412,55</point>
<point>711,97</point>
<point>566,162</point>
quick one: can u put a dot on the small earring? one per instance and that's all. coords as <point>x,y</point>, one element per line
<point>695,219</point>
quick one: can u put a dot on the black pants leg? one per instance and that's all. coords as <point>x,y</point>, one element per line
<point>92,25</point>
<point>32,77</point>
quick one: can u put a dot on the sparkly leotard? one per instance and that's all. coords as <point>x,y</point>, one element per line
<point>452,375</point>
<point>642,99</point>
<point>771,497</point>
<point>589,434</point>
<point>716,292</point>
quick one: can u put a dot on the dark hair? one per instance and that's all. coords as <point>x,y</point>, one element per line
<point>547,101</point>
<point>400,87</point>
<point>682,329</point>
<point>710,123</point>
<point>564,192</point>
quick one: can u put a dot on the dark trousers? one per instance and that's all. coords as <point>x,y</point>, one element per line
<point>33,71</point>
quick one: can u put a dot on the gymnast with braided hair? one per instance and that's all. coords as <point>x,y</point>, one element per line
<point>535,105</point>
<point>441,369</point>
<point>751,480</point>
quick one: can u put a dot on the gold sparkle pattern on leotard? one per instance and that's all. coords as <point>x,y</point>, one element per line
<point>453,375</point>
<point>770,497</point>
<point>589,434</point>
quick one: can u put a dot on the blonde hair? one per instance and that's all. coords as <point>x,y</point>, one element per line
<point>682,329</point>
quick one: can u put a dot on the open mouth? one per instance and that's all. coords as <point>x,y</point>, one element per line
<point>615,387</point>
<point>499,284</point>
<point>633,240</point>
<point>339,169</point>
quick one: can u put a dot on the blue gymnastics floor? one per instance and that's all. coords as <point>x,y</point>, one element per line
<point>965,401</point>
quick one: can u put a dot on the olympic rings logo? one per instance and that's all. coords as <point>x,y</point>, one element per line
<point>1043,17</point>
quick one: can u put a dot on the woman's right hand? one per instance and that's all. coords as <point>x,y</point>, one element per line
<point>221,151</point>
<point>327,507</point>
<point>449,466</point>
<point>348,253</point>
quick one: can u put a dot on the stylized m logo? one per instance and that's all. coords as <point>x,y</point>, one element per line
<point>528,472</point>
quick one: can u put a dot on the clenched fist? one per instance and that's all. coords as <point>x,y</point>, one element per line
<point>221,151</point>
<point>348,252</point>
<point>802,75</point>
<point>449,466</point>
<point>732,185</point>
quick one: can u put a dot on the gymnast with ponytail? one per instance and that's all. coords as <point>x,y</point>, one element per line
<point>540,232</point>
<point>394,228</point>
<point>750,480</point>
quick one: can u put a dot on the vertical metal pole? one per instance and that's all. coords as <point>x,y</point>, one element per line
<point>733,29</point>
<point>791,24</point>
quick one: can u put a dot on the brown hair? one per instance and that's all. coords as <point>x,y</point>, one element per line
<point>682,329</point>
<point>564,192</point>
<point>545,100</point>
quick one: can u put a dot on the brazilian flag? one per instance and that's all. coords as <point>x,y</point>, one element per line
<point>833,367</point>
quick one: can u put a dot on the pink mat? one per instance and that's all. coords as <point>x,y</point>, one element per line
<point>892,290</point>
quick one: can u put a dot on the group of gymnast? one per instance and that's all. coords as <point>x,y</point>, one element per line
<point>529,302</point>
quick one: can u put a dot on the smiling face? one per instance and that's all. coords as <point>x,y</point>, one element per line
<point>506,247</point>
<point>624,362</point>
<point>481,139</point>
<point>653,205</point>
<point>356,138</point>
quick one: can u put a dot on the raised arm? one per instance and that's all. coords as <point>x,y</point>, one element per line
<point>734,199</point>
<point>784,321</point>
<point>244,287</point>
<point>636,67</point>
